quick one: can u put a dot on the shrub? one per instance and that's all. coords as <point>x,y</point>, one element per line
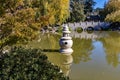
<point>28,64</point>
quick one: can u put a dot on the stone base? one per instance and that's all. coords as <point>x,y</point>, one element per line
<point>66,51</point>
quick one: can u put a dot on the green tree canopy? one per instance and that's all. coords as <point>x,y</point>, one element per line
<point>88,6</point>
<point>76,11</point>
<point>111,11</point>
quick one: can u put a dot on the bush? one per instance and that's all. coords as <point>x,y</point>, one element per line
<point>28,64</point>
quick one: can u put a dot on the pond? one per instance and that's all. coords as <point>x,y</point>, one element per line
<point>96,55</point>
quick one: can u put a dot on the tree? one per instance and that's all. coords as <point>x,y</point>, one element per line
<point>76,11</point>
<point>88,6</point>
<point>113,17</point>
<point>111,11</point>
<point>17,22</point>
<point>20,20</point>
<point>112,6</point>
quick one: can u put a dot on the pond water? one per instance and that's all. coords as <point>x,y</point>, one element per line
<point>96,55</point>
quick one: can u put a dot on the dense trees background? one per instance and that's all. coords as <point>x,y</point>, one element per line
<point>79,9</point>
<point>88,6</point>
<point>20,20</point>
<point>111,11</point>
<point>76,11</point>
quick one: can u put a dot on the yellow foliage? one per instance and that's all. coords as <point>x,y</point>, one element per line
<point>23,18</point>
<point>56,12</point>
<point>113,10</point>
<point>25,14</point>
<point>63,10</point>
<point>113,17</point>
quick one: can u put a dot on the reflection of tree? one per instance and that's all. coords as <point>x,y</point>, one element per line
<point>49,41</point>
<point>46,41</point>
<point>112,48</point>
<point>81,47</point>
<point>82,50</point>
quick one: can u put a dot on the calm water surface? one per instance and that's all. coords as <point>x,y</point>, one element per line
<point>96,56</point>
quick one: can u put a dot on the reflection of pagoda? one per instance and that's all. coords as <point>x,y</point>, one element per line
<point>66,64</point>
<point>62,60</point>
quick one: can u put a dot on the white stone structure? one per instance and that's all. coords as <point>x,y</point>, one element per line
<point>66,41</point>
<point>85,25</point>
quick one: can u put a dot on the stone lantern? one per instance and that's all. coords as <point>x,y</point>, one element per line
<point>66,41</point>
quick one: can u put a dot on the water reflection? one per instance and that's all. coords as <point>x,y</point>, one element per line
<point>112,48</point>
<point>82,50</point>
<point>62,60</point>
<point>83,47</point>
<point>92,56</point>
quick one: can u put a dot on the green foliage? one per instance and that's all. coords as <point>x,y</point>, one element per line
<point>112,6</point>
<point>60,29</point>
<point>79,9</point>
<point>28,64</point>
<point>77,12</point>
<point>21,25</point>
<point>111,11</point>
<point>88,6</point>
<point>113,17</point>
<point>23,18</point>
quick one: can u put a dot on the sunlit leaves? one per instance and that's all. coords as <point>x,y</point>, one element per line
<point>9,6</point>
<point>113,17</point>
<point>24,18</point>
<point>112,11</point>
<point>112,6</point>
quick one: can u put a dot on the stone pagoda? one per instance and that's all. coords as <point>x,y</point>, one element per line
<point>66,41</point>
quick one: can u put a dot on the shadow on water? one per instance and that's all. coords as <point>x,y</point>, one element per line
<point>50,50</point>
